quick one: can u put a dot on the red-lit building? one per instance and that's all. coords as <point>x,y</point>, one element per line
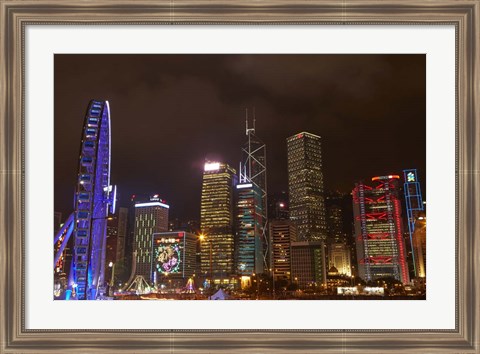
<point>381,251</point>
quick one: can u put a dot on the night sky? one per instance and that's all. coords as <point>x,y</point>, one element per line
<point>171,112</point>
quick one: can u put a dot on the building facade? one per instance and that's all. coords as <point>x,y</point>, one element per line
<point>111,243</point>
<point>305,186</point>
<point>338,245</point>
<point>278,206</point>
<point>309,269</point>
<point>282,233</point>
<point>414,207</point>
<point>381,251</point>
<point>151,216</point>
<point>249,230</point>
<point>174,257</point>
<point>339,257</point>
<point>420,245</point>
<point>216,221</point>
<point>121,234</point>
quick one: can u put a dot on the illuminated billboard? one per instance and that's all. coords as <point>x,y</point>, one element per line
<point>167,255</point>
<point>174,254</point>
<point>374,290</point>
<point>347,290</point>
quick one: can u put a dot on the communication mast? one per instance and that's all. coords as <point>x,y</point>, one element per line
<point>253,169</point>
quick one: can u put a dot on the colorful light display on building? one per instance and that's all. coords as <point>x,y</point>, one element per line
<point>167,256</point>
<point>381,248</point>
<point>173,255</point>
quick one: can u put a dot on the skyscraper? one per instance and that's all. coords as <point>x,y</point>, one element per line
<point>282,233</point>
<point>305,186</point>
<point>308,264</point>
<point>216,220</point>
<point>414,206</point>
<point>419,240</point>
<point>253,169</point>
<point>338,249</point>
<point>151,216</point>
<point>381,251</point>
<point>122,234</point>
<point>111,243</point>
<point>249,238</point>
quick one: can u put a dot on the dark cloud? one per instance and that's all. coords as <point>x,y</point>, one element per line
<point>170,112</point>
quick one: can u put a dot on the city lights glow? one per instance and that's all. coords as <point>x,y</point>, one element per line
<point>379,178</point>
<point>141,205</point>
<point>212,166</point>
<point>242,186</point>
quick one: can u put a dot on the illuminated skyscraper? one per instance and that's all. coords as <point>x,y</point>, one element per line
<point>111,243</point>
<point>381,251</point>
<point>305,186</point>
<point>216,220</point>
<point>338,248</point>
<point>151,216</point>
<point>282,233</point>
<point>414,206</point>
<point>249,238</point>
<point>122,233</point>
<point>419,240</point>
<point>253,169</point>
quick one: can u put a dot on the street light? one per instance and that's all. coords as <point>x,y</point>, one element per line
<point>110,285</point>
<point>272,272</point>
<point>258,284</point>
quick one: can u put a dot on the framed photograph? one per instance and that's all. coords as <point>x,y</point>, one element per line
<point>194,108</point>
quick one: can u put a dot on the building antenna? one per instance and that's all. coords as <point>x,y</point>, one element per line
<point>248,130</point>
<point>246,121</point>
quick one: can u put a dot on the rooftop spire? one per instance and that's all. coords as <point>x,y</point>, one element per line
<point>247,129</point>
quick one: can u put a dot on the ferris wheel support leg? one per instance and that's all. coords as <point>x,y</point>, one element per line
<point>64,243</point>
<point>63,228</point>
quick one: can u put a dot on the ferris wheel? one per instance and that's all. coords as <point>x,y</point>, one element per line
<point>93,200</point>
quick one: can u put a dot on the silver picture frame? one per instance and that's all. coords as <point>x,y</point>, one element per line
<point>15,15</point>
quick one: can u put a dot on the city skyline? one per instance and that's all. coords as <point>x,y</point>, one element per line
<point>166,155</point>
<point>230,238</point>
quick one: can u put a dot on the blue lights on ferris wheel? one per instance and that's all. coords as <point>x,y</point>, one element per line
<point>93,200</point>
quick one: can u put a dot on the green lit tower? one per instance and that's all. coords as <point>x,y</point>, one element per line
<point>249,229</point>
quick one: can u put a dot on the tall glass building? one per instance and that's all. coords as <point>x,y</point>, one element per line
<point>216,221</point>
<point>253,170</point>
<point>305,186</point>
<point>309,268</point>
<point>249,229</point>
<point>282,234</point>
<point>377,211</point>
<point>151,216</point>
